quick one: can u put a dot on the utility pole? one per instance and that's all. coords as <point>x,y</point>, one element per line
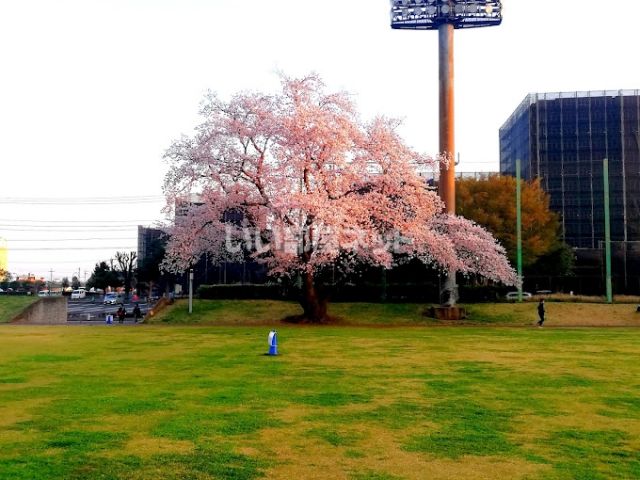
<point>50,281</point>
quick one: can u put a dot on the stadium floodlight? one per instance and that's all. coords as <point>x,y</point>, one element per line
<point>446,16</point>
<point>430,14</point>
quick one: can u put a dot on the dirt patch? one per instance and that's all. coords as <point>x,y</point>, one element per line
<point>302,320</point>
<point>297,458</point>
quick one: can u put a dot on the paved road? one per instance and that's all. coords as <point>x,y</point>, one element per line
<point>87,310</point>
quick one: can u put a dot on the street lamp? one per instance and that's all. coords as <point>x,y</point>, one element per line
<point>445,16</point>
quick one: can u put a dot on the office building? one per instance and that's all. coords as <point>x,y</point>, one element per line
<point>149,239</point>
<point>562,139</point>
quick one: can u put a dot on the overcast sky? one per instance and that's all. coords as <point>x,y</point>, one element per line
<point>93,91</point>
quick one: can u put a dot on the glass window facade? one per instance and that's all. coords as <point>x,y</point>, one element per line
<point>562,139</point>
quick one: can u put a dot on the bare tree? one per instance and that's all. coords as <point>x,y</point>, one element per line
<point>126,262</point>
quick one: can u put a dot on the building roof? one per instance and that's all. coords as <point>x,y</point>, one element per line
<point>533,98</point>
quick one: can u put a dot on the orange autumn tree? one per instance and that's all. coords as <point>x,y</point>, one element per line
<point>491,202</point>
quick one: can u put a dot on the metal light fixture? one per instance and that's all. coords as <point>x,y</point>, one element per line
<point>430,14</point>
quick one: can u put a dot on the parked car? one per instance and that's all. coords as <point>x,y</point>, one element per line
<point>514,295</point>
<point>43,293</point>
<point>112,298</point>
<point>77,294</point>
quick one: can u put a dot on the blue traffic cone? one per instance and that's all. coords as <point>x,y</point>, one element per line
<point>273,343</point>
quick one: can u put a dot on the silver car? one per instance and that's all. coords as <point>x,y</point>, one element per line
<point>514,295</point>
<point>112,299</point>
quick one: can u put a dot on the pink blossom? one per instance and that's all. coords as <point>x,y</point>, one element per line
<point>313,182</point>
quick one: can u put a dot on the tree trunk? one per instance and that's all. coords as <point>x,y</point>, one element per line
<point>314,302</point>
<point>450,290</point>
<point>127,287</point>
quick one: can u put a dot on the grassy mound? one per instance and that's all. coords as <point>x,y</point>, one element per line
<point>11,305</point>
<point>271,312</point>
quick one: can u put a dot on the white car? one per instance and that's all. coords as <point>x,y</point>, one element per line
<point>514,295</point>
<point>78,294</point>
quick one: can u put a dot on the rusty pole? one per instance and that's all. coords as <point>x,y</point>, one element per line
<point>446,184</point>
<point>447,132</point>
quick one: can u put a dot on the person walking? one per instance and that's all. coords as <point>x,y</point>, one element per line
<point>137,314</point>
<point>541,312</point>
<point>121,313</point>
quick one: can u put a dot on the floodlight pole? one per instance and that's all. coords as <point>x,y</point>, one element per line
<point>446,183</point>
<point>445,16</point>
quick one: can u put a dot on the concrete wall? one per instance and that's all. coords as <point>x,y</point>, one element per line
<point>46,311</point>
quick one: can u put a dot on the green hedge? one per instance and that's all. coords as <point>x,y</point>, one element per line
<point>365,292</point>
<point>240,292</point>
<point>479,293</point>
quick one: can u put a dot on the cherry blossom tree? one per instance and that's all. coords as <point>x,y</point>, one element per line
<point>298,181</point>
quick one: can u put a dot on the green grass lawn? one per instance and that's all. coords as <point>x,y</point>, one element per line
<point>157,402</point>
<point>11,305</point>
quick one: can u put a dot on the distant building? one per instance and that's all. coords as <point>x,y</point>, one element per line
<point>205,270</point>
<point>147,237</point>
<point>562,139</point>
<point>183,205</point>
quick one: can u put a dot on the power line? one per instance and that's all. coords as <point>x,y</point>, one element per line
<point>35,249</point>
<point>12,240</point>
<point>68,227</point>
<point>88,224</point>
<point>65,230</point>
<point>81,200</point>
<point>137,222</point>
<point>56,262</point>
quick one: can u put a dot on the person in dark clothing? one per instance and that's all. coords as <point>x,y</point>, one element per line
<point>137,314</point>
<point>121,313</point>
<point>541,312</point>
